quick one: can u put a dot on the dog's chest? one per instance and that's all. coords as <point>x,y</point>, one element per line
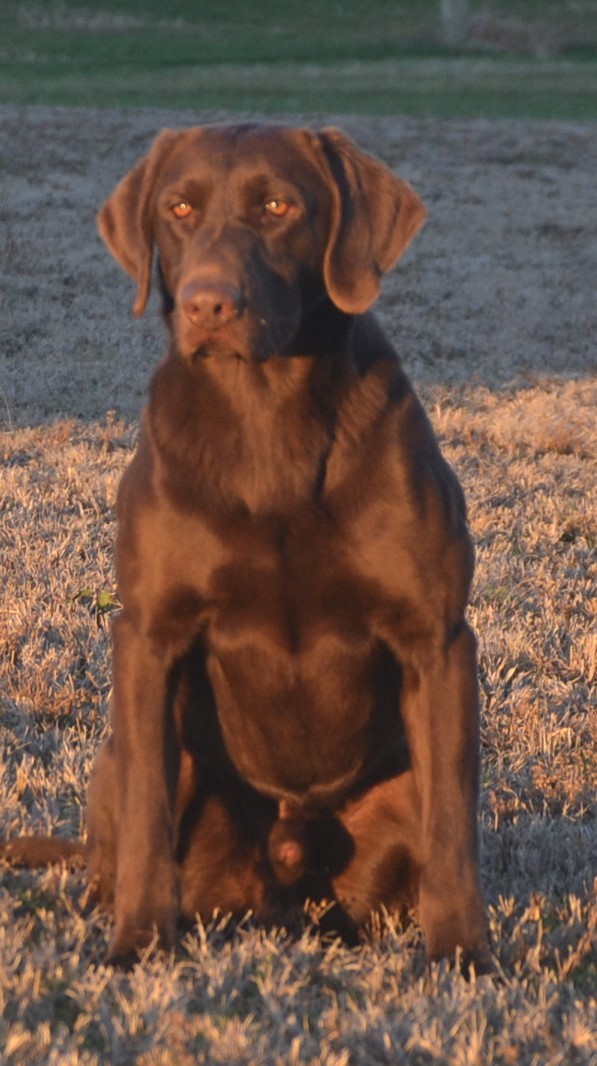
<point>289,585</point>
<point>303,689</point>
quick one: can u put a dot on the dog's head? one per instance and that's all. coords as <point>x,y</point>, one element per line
<point>255,225</point>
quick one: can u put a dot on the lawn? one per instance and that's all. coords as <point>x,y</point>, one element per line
<point>493,309</point>
<point>516,60</point>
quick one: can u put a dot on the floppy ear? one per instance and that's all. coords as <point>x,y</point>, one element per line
<point>124,221</point>
<point>375,215</point>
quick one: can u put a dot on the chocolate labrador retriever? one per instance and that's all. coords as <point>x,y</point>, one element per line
<point>295,708</point>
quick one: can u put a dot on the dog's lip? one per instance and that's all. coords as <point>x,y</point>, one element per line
<point>206,351</point>
<point>246,339</point>
<point>196,341</point>
<point>220,346</point>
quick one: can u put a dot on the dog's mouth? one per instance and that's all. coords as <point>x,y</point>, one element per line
<point>217,351</point>
<point>223,344</point>
<point>248,338</point>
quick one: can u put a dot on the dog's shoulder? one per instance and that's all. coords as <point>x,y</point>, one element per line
<point>386,451</point>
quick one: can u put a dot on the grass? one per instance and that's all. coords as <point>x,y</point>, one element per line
<point>518,60</point>
<point>494,311</point>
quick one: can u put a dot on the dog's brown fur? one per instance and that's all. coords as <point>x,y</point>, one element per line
<point>295,700</point>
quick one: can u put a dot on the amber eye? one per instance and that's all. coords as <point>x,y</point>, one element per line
<point>277,208</point>
<point>182,210</point>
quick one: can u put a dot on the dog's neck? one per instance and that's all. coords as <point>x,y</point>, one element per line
<point>325,331</point>
<point>246,434</point>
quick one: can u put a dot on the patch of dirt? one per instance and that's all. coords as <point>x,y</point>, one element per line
<point>498,288</point>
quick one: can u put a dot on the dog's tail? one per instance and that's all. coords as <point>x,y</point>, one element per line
<point>41,851</point>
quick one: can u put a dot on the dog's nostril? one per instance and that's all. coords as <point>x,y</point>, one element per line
<point>211,305</point>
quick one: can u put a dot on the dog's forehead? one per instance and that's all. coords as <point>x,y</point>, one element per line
<point>244,149</point>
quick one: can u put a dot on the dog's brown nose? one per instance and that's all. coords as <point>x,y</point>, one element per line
<point>211,304</point>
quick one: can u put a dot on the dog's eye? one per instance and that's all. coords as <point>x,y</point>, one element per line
<point>182,210</point>
<point>277,208</point>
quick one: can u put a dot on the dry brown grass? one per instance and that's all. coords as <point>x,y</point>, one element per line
<point>494,310</point>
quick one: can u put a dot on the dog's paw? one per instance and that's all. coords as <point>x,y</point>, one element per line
<point>133,940</point>
<point>474,962</point>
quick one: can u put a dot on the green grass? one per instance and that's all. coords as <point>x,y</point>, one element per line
<point>520,60</point>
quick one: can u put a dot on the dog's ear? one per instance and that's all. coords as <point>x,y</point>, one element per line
<point>375,215</point>
<point>124,221</point>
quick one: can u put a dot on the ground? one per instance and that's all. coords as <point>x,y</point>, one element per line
<point>493,310</point>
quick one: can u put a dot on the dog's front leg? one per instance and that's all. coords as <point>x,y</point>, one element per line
<point>145,901</point>
<point>441,715</point>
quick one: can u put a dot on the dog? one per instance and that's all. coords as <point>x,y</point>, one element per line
<point>295,705</point>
